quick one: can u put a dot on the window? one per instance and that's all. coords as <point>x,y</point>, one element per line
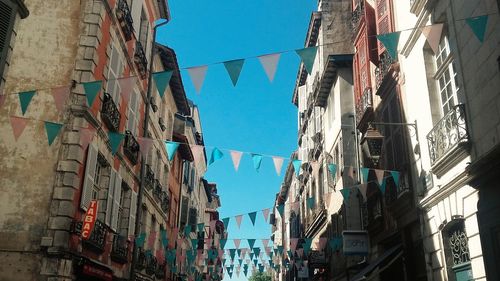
<point>115,70</point>
<point>122,226</point>
<point>456,249</point>
<point>133,116</point>
<point>144,29</point>
<point>446,76</point>
<point>96,173</point>
<point>394,152</point>
<point>144,219</point>
<point>8,12</point>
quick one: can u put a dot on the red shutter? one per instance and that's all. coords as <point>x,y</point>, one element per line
<point>384,20</point>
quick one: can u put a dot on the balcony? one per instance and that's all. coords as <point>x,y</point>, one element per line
<point>384,67</point>
<point>157,191</point>
<point>364,108</point>
<point>449,139</point>
<point>160,271</point>
<point>141,259</point>
<point>97,239</point>
<point>165,202</point>
<point>119,252</point>
<point>109,113</point>
<point>151,264</point>
<point>357,15</point>
<point>131,147</point>
<point>150,178</point>
<point>140,60</point>
<point>125,19</point>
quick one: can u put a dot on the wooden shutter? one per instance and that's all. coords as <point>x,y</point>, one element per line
<point>88,183</point>
<point>109,201</point>
<point>116,201</point>
<point>384,20</point>
<point>193,217</point>
<point>114,71</point>
<point>132,116</point>
<point>184,210</point>
<point>136,9</point>
<point>7,19</point>
<point>131,215</point>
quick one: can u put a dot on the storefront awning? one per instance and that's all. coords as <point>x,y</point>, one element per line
<point>385,259</point>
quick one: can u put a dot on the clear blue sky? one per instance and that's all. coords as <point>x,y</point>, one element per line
<point>256,115</point>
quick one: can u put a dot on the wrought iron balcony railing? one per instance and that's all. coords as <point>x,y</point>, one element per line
<point>119,252</point>
<point>150,178</point>
<point>131,147</point>
<point>140,59</point>
<point>357,14</point>
<point>165,202</point>
<point>394,192</point>
<point>109,113</point>
<point>141,259</point>
<point>151,264</point>
<point>97,239</point>
<point>125,19</point>
<point>383,68</point>
<point>157,190</point>
<point>160,271</point>
<point>449,134</point>
<point>364,105</point>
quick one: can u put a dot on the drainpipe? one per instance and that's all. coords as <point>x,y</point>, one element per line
<point>140,194</point>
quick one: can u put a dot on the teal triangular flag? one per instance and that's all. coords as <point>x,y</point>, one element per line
<point>364,174</point>
<point>308,55</point>
<point>256,251</point>
<point>234,68</point>
<point>222,243</point>
<point>194,243</point>
<point>333,170</point>
<point>201,227</point>
<point>296,166</point>
<point>139,240</point>
<point>280,249</point>
<point>257,159</point>
<point>307,245</point>
<point>171,147</point>
<point>240,261</point>
<point>187,230</point>
<point>164,239</point>
<point>395,177</point>
<point>161,81</point>
<point>52,130</point>
<point>310,202</point>
<point>216,155</point>
<point>91,90</point>
<point>383,185</point>
<point>114,140</point>
<point>252,216</point>
<point>25,99</point>
<point>478,26</point>
<point>232,253</point>
<point>225,221</point>
<point>281,209</point>
<point>346,192</point>
<point>390,41</point>
<point>251,243</point>
<point>335,243</point>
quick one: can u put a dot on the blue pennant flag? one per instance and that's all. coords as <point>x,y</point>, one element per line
<point>307,55</point>
<point>225,221</point>
<point>257,160</point>
<point>234,68</point>
<point>161,81</point>
<point>222,243</point>
<point>346,192</point>
<point>114,140</point>
<point>252,216</point>
<point>251,243</point>
<point>281,209</point>
<point>383,185</point>
<point>52,130</point>
<point>395,177</point>
<point>25,99</point>
<point>364,174</point>
<point>216,155</point>
<point>296,166</point>
<point>333,170</point>
<point>307,245</point>
<point>390,42</point>
<point>139,240</point>
<point>478,26</point>
<point>91,90</point>
<point>171,148</point>
<point>310,202</point>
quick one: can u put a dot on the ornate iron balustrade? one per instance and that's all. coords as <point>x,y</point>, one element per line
<point>150,178</point>
<point>131,147</point>
<point>448,134</point>
<point>157,190</point>
<point>364,104</point>
<point>97,239</point>
<point>160,271</point>
<point>394,192</point>
<point>125,19</point>
<point>141,259</point>
<point>151,264</point>
<point>119,252</point>
<point>357,14</point>
<point>109,113</point>
<point>140,59</point>
<point>165,202</point>
<point>383,68</point>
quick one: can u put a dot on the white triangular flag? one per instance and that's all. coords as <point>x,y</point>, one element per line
<point>270,64</point>
<point>362,188</point>
<point>197,75</point>
<point>433,35</point>
<point>278,163</point>
<point>127,84</point>
<point>380,176</point>
<point>236,157</point>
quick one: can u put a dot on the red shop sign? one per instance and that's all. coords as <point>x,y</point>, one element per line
<point>89,219</point>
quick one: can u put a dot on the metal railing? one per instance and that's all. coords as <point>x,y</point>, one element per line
<point>131,147</point>
<point>383,68</point>
<point>357,14</point>
<point>364,103</point>
<point>140,59</point>
<point>109,113</point>
<point>124,17</point>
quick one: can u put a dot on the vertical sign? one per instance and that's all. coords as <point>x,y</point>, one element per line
<point>89,219</point>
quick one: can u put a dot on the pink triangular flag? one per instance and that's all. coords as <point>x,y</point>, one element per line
<point>236,156</point>
<point>151,239</point>
<point>315,168</point>
<point>433,35</point>
<point>265,242</point>
<point>293,243</point>
<point>270,63</point>
<point>60,95</point>
<point>328,199</point>
<point>197,75</point>
<point>86,136</point>
<point>126,86</point>
<point>212,225</point>
<point>266,212</point>
<point>144,145</point>
<point>349,171</point>
<point>380,176</point>
<point>362,188</point>
<point>294,206</point>
<point>197,152</point>
<point>300,252</point>
<point>175,233</point>
<point>18,124</point>
<point>278,163</point>
<point>239,218</point>
<point>237,243</point>
<point>322,243</point>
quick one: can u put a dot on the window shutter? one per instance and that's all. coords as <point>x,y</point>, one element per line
<point>116,201</point>
<point>109,201</point>
<point>184,210</point>
<point>131,215</point>
<point>90,168</point>
<point>132,113</point>
<point>136,8</point>
<point>7,19</point>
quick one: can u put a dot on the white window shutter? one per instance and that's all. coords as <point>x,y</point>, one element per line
<point>88,183</point>
<point>116,201</point>
<point>133,210</point>
<point>136,16</point>
<point>109,201</point>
